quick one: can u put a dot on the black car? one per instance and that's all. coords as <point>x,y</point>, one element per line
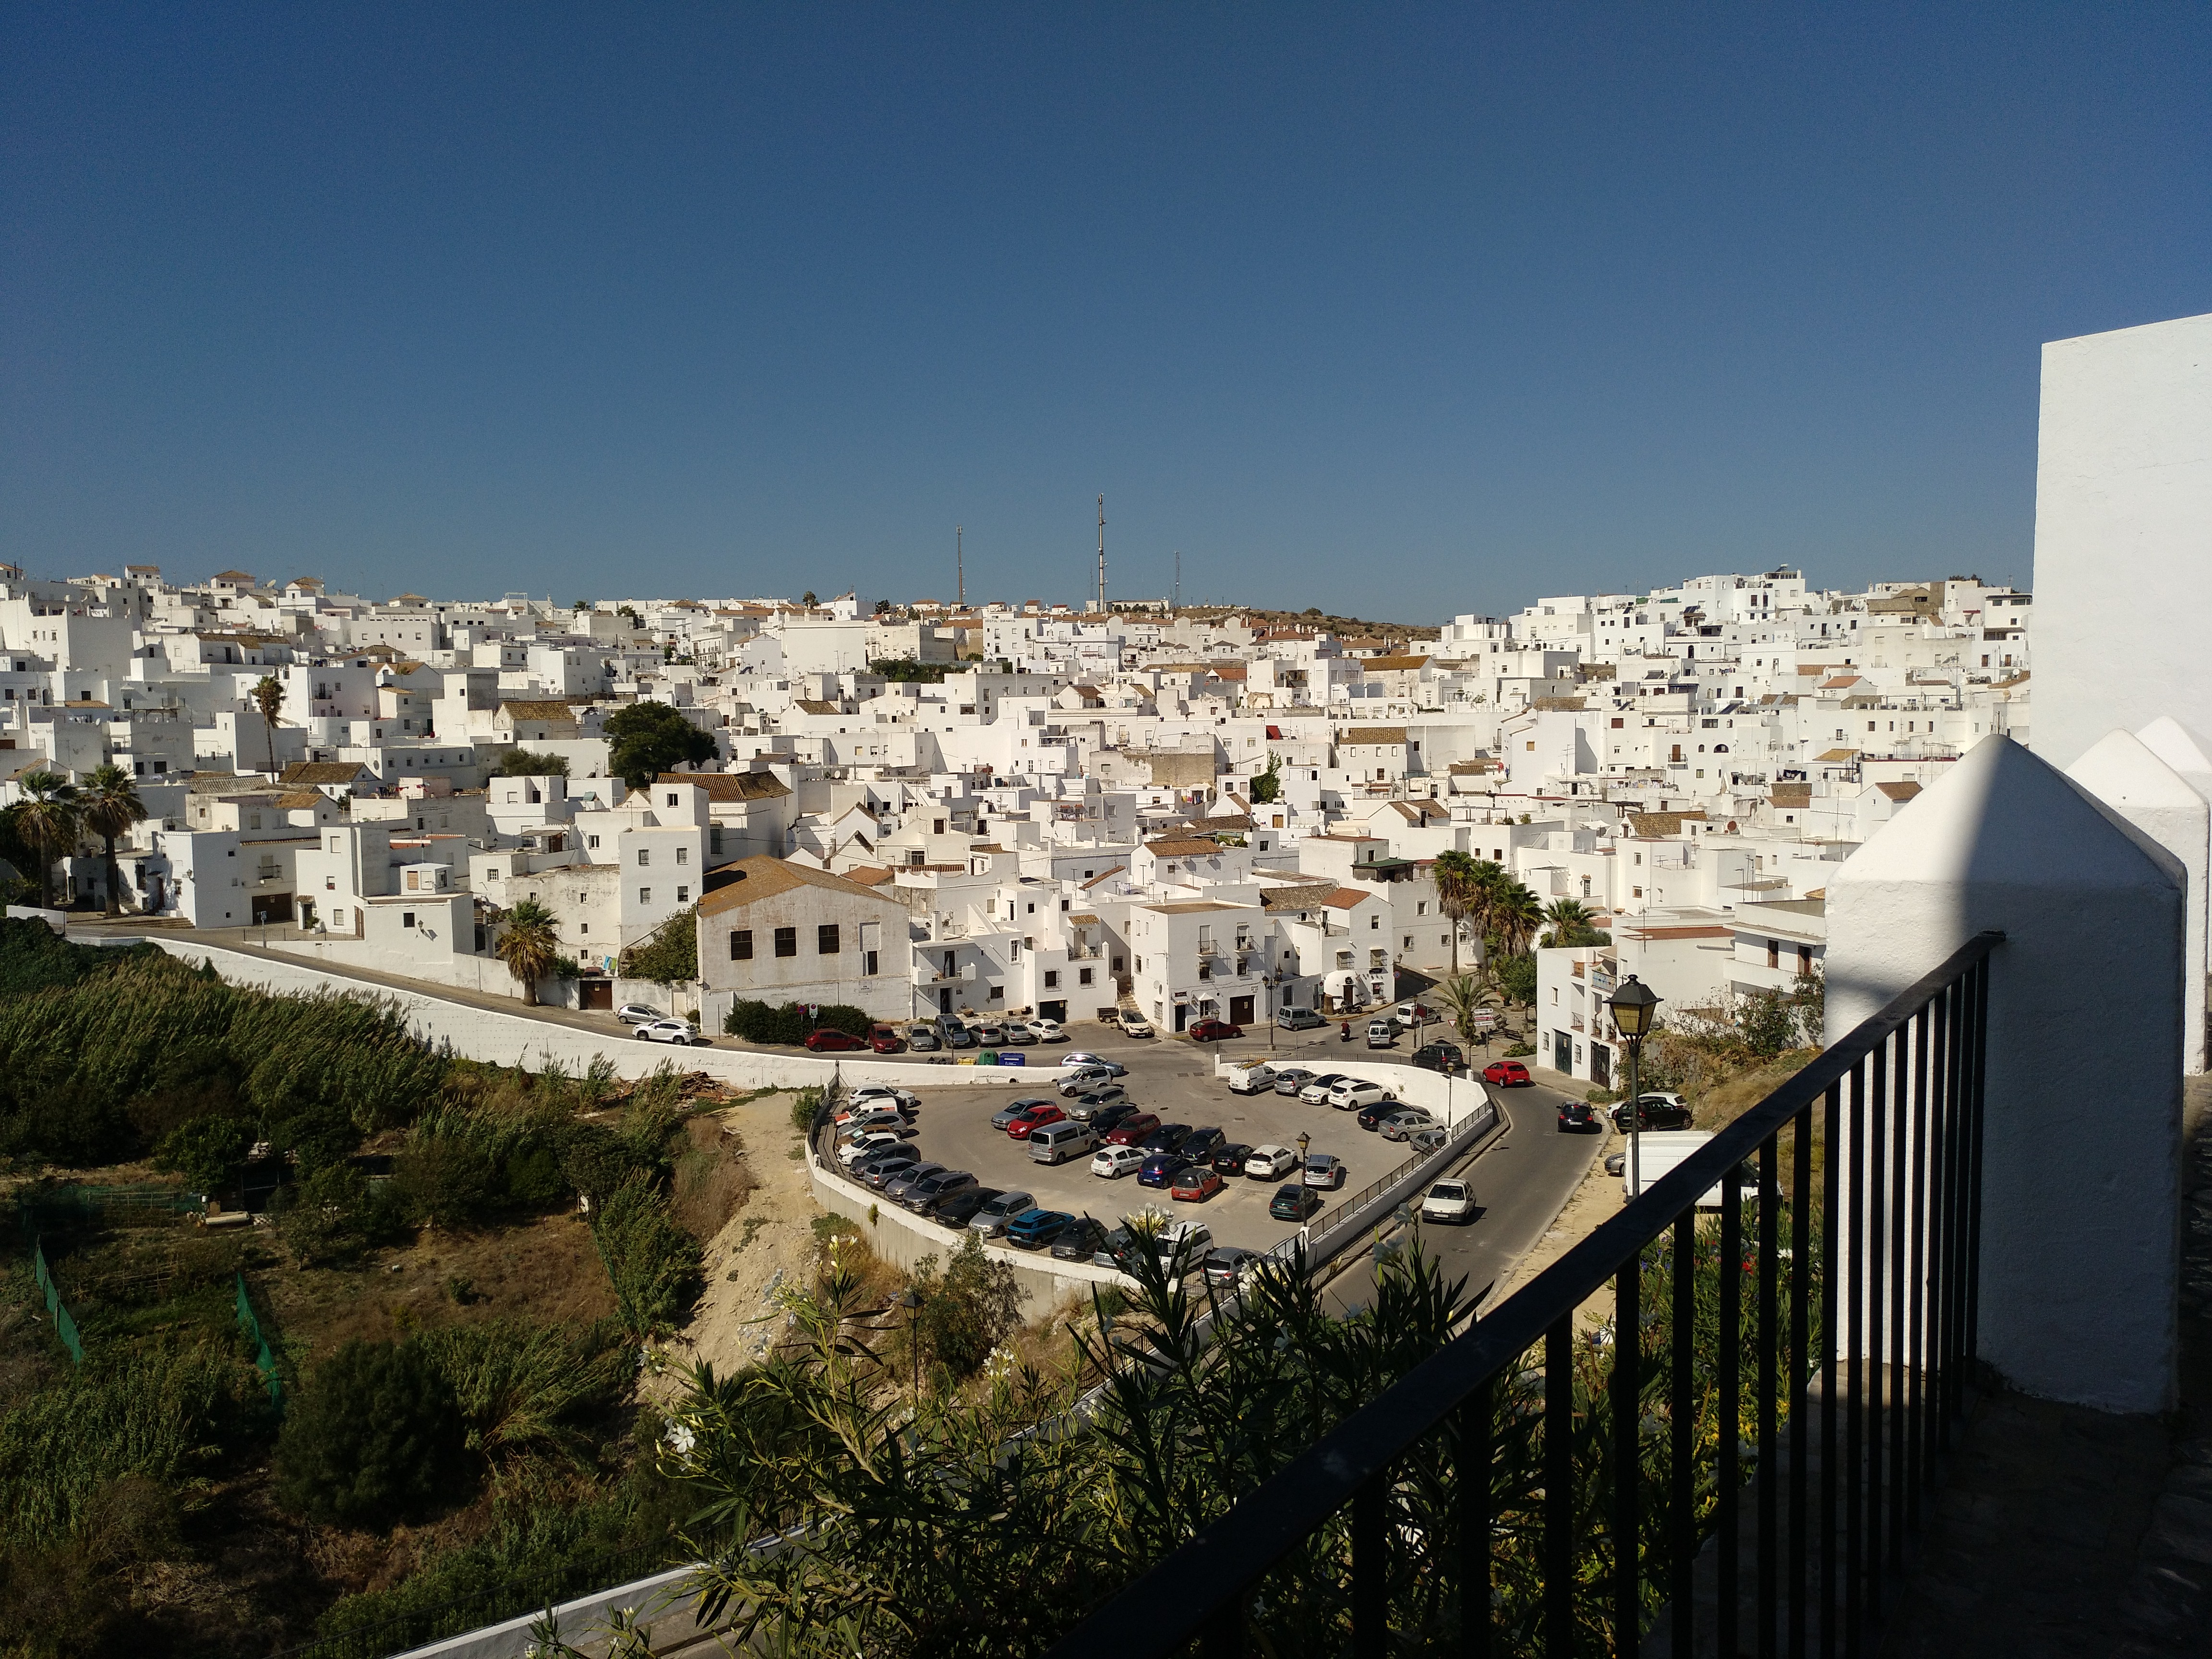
<point>1168,1138</point>
<point>1161,1168</point>
<point>1107,1119</point>
<point>1229,1161</point>
<point>956,1210</point>
<point>1202,1144</point>
<point>1652,1112</point>
<point>1445,1057</point>
<point>1080,1241</point>
<point>1371,1117</point>
<point>1577,1114</point>
<point>1293,1203</point>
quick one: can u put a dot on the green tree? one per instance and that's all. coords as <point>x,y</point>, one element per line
<point>530,764</point>
<point>1461,996</point>
<point>670,956</point>
<point>1267,782</point>
<point>1515,915</point>
<point>1570,921</point>
<point>1458,892</point>
<point>48,816</point>
<point>207,1149</point>
<point>653,1263</point>
<point>375,1436</point>
<point>967,1311</point>
<point>529,944</point>
<point>110,805</point>
<point>807,599</point>
<point>268,694</point>
<point>648,738</point>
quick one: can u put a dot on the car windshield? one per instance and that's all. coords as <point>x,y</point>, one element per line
<point>1448,1189</point>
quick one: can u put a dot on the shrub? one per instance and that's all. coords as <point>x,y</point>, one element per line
<point>207,1150</point>
<point>339,1213</point>
<point>521,1387</point>
<point>375,1436</point>
<point>653,1263</point>
<point>967,1312</point>
<point>803,1105</point>
<point>1516,977</point>
<point>756,1022</point>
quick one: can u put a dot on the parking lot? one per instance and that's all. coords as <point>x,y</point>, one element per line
<point>1175,1080</point>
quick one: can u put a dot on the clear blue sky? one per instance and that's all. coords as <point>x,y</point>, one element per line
<point>1393,310</point>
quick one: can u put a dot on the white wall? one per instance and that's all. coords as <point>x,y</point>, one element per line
<point>2123,535</point>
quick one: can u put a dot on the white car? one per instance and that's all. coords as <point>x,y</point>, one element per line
<point>1270,1162</point>
<point>904,1099</point>
<point>1316,1092</point>
<point>1084,1057</point>
<point>1136,1025</point>
<point>1352,1093</point>
<point>1183,1244</point>
<point>1047,1030</point>
<point>870,1141</point>
<point>1449,1201</point>
<point>671,1031</point>
<point>637,1013</point>
<point>1114,1162</point>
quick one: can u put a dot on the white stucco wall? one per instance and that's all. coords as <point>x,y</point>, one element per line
<point>2123,534</point>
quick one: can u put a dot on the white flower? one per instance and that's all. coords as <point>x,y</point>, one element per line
<point>681,1439</point>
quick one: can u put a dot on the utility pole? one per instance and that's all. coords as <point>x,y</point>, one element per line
<point>1178,605</point>
<point>959,567</point>
<point>1102,555</point>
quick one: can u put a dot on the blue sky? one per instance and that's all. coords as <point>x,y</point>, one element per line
<point>1394,310</point>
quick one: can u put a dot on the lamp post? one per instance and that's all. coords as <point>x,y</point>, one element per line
<point>910,1299</point>
<point>1633,1005</point>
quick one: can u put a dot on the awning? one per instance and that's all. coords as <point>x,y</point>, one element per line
<point>1276,732</point>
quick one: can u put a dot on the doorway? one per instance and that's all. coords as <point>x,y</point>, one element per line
<point>1563,1053</point>
<point>1240,1011</point>
<point>595,994</point>
<point>1601,1066</point>
<point>1183,1015</point>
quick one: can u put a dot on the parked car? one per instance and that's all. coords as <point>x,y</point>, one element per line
<point>1315,1093</point>
<point>1132,1130</point>
<point>1228,1265</point>
<point>1427,1141</point>
<point>1005,1115</point>
<point>1201,1145</point>
<point>869,1140</point>
<point>1087,1078</point>
<point>1294,1202</point>
<point>993,1218</point>
<point>1136,1025</point>
<point>1159,1169</point>
<point>1446,1057</point>
<point>1251,1077</point>
<point>1291,1078</point>
<point>956,1210</point>
<point>1410,1014</point>
<point>1194,1183</point>
<point>1506,1073</point>
<point>1349,1094</point>
<point>900,1184</point>
<point>1653,1111</point>
<point>1114,1162</point>
<point>1091,1100</point>
<point>923,1038</point>
<point>1037,1228</point>
<point>1449,1201</point>
<point>880,1168</point>
<point>956,1034</point>
<point>637,1013</point>
<point>921,1193</point>
<point>871,1117</point>
<point>1270,1162</point>
<point>1215,1030</point>
<point>1114,1249</point>
<point>1047,1030</point>
<point>1230,1158</point>
<point>1578,1114</point>
<point>1079,1240</point>
<point>682,1031</point>
<point>1382,1033</point>
<point>1370,1117</point>
<point>1084,1057</point>
<point>1056,1143</point>
<point>1166,1138</point>
<point>1104,1119</point>
<point>884,1040</point>
<point>1401,1124</point>
<point>1018,1034</point>
<point>1325,1169</point>
<point>882,1094</point>
<point>990,1033</point>
<point>1182,1245</point>
<point>827,1040</point>
<point>1299,1020</point>
<point>1035,1118</point>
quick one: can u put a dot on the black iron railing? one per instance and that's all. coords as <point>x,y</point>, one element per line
<point>1799,1358</point>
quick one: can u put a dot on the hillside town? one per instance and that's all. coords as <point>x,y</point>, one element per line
<point>925,809</point>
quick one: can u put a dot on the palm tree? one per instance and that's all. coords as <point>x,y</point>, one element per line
<point>110,806</point>
<point>1569,918</point>
<point>268,694</point>
<point>1456,895</point>
<point>1462,996</point>
<point>1516,914</point>
<point>529,944</point>
<point>48,816</point>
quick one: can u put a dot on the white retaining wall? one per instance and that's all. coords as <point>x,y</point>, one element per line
<point>1450,1100</point>
<point>504,1039</point>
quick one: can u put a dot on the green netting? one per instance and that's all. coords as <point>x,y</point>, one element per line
<point>65,1327</point>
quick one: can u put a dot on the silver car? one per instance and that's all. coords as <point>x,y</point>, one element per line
<point>899,1186</point>
<point>995,1217</point>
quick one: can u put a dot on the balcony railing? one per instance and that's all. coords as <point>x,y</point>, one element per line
<point>1818,1332</point>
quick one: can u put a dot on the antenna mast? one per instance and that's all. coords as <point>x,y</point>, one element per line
<point>960,567</point>
<point>1102,555</point>
<point>1177,605</point>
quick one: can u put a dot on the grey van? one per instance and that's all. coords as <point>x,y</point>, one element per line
<point>1055,1143</point>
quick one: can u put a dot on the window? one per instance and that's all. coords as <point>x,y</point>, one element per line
<point>672,798</point>
<point>406,917</point>
<point>997,994</point>
<point>1774,953</point>
<point>683,895</point>
<point>1421,908</point>
<point>869,962</point>
<point>592,840</point>
<point>1052,979</point>
<point>1082,975</point>
<point>645,895</point>
<point>683,855</point>
<point>644,857</point>
<point>713,838</point>
<point>786,941</point>
<point>1409,941</point>
<point>1374,924</point>
<point>825,938</point>
<point>741,944</point>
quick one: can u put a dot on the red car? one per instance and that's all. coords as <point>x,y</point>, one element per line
<point>1131,1130</point>
<point>1198,1183</point>
<point>884,1041</point>
<point>825,1040</point>
<point>1506,1073</point>
<point>1035,1118</point>
<point>1215,1030</point>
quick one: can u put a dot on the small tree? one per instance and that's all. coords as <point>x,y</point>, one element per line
<point>967,1312</point>
<point>670,956</point>
<point>1267,782</point>
<point>529,763</point>
<point>268,694</point>
<point>529,944</point>
<point>374,1437</point>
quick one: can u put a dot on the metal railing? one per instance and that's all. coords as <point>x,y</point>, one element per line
<point>1823,1340</point>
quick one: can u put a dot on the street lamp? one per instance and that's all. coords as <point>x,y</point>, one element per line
<point>1305,1142</point>
<point>1633,1005</point>
<point>910,1299</point>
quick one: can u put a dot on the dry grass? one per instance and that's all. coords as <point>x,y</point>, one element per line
<point>713,1179</point>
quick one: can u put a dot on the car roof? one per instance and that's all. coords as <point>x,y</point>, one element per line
<point>1269,1147</point>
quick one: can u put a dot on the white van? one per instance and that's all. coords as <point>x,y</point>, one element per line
<point>1664,1149</point>
<point>1250,1077</point>
<point>1382,1033</point>
<point>1055,1143</point>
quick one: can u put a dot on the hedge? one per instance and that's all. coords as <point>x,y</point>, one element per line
<point>756,1022</point>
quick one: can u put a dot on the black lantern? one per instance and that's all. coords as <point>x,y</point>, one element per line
<point>1633,1005</point>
